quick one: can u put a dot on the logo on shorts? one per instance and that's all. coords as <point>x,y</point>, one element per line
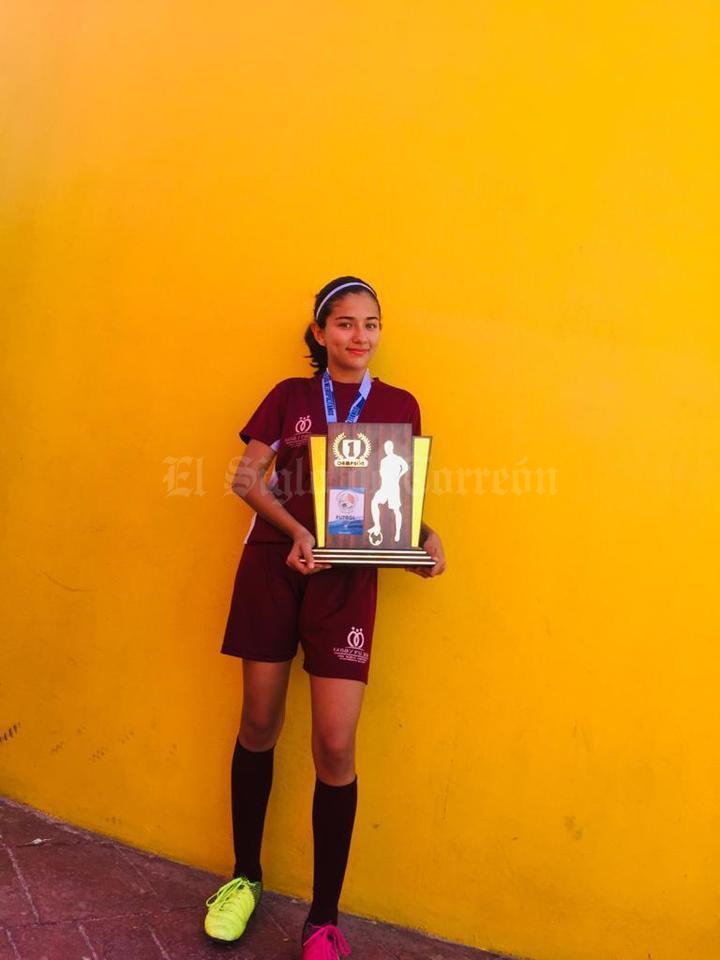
<point>353,652</point>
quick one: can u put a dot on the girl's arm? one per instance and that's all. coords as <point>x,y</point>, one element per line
<point>249,484</point>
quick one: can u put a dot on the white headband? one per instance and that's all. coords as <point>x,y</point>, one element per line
<point>352,283</point>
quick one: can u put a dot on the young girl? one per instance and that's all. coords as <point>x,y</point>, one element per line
<point>281,596</point>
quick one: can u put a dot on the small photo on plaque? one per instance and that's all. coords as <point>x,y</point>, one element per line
<point>346,510</point>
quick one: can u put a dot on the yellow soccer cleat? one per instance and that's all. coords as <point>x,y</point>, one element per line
<point>230,908</point>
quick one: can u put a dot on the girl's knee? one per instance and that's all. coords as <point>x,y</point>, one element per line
<point>259,731</point>
<point>334,757</point>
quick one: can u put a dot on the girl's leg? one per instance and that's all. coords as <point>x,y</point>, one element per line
<point>336,707</point>
<point>263,712</point>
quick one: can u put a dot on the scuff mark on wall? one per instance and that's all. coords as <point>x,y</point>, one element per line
<point>65,586</point>
<point>11,732</point>
<point>572,828</point>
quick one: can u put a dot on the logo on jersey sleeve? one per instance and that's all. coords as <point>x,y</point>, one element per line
<point>353,652</point>
<point>303,426</point>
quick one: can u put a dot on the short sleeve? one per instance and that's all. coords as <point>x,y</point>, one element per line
<point>415,419</point>
<point>267,421</point>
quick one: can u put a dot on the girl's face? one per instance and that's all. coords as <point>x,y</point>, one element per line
<point>351,334</point>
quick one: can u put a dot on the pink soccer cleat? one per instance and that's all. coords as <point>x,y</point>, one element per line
<point>327,943</point>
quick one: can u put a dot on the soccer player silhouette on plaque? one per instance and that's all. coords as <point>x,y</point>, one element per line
<point>392,467</point>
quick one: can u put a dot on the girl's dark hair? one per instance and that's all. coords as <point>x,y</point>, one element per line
<point>318,354</point>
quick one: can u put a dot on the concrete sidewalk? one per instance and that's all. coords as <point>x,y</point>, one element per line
<point>68,894</point>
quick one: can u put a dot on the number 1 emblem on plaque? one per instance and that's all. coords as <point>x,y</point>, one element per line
<point>351,451</point>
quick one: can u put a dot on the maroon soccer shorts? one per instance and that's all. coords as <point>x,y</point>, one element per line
<point>331,613</point>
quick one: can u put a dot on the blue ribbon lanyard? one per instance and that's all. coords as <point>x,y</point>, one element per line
<point>358,402</point>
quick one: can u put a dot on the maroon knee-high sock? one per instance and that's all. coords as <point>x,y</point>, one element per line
<point>333,817</point>
<point>251,779</point>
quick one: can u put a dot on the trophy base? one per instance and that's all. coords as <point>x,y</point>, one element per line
<point>356,556</point>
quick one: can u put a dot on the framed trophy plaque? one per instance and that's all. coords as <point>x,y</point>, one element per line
<point>368,485</point>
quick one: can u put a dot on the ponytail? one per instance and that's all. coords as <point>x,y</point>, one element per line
<point>318,353</point>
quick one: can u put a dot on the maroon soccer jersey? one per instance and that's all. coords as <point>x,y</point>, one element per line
<point>285,419</point>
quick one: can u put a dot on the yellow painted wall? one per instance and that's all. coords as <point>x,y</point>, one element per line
<point>533,189</point>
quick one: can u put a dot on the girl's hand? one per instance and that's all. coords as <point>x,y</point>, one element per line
<point>300,557</point>
<point>433,546</point>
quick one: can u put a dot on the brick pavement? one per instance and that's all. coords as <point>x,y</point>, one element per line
<point>69,894</point>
